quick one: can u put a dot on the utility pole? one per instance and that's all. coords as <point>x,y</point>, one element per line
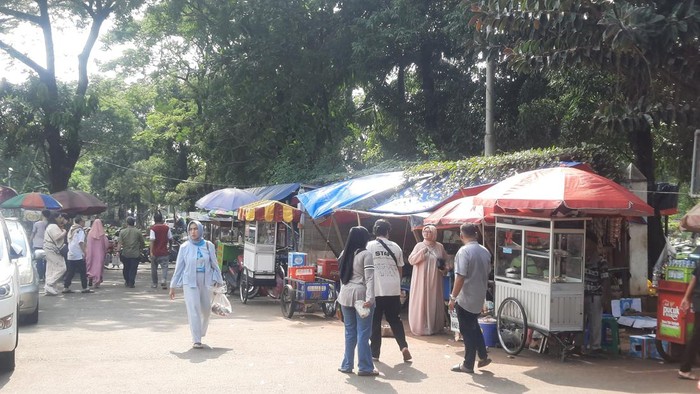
<point>489,138</point>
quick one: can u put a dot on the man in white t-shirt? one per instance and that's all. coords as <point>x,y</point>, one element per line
<point>388,263</point>
<point>76,256</point>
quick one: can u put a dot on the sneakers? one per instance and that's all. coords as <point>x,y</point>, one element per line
<point>483,363</point>
<point>373,372</point>
<point>197,345</point>
<point>153,286</point>
<point>164,286</point>
<point>461,368</point>
<point>50,290</point>
<point>67,291</point>
<point>406,354</point>
<point>86,291</point>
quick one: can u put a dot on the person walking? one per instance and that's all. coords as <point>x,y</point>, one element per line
<point>426,304</point>
<point>388,268</point>
<point>54,239</point>
<point>160,237</point>
<point>472,268</point>
<point>38,231</point>
<point>357,278</point>
<point>691,298</point>
<point>130,245</point>
<point>196,272</point>
<point>76,256</point>
<point>97,246</point>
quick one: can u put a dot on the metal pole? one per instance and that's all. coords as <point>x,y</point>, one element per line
<point>489,138</point>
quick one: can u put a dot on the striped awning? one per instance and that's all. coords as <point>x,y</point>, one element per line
<point>269,211</point>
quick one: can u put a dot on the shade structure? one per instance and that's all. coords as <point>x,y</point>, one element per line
<point>458,212</point>
<point>6,193</point>
<point>269,211</point>
<point>229,199</point>
<point>79,202</point>
<point>561,190</point>
<point>32,201</point>
<point>691,220</point>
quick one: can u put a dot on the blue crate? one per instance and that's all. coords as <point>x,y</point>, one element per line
<point>296,259</point>
<point>315,291</point>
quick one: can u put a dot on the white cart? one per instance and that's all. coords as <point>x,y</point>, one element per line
<point>539,275</point>
<point>260,262</point>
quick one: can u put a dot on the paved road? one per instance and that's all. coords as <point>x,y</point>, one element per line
<point>121,340</point>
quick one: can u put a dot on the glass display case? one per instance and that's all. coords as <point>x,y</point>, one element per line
<point>540,261</point>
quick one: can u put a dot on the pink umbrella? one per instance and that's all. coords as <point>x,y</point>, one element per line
<point>691,220</point>
<point>563,189</point>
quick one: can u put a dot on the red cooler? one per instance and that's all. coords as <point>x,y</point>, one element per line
<point>328,269</point>
<point>674,325</point>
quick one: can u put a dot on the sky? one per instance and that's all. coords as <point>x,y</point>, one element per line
<point>68,43</point>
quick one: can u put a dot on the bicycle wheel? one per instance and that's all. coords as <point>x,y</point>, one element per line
<point>328,308</point>
<point>512,325</point>
<point>288,305</point>
<point>243,290</point>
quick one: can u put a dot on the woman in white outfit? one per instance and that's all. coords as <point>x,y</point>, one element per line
<point>197,272</point>
<point>54,238</point>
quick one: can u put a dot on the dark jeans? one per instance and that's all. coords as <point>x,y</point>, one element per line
<point>390,308</point>
<point>130,266</point>
<point>73,266</point>
<point>691,348</point>
<point>41,266</point>
<point>473,338</point>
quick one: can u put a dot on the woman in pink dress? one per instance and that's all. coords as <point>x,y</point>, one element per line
<point>97,244</point>
<point>426,304</point>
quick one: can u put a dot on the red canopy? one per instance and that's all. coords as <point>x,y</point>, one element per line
<point>563,189</point>
<point>459,211</point>
<point>269,211</point>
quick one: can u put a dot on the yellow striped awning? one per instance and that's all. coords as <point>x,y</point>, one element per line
<point>269,211</point>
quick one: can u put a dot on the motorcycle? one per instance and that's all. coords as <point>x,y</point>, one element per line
<point>232,275</point>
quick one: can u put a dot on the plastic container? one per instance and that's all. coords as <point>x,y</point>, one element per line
<point>296,259</point>
<point>488,328</point>
<point>307,274</point>
<point>610,337</point>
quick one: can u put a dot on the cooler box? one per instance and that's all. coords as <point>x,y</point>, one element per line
<point>639,344</point>
<point>328,269</point>
<point>296,259</point>
<point>307,274</point>
<point>651,347</point>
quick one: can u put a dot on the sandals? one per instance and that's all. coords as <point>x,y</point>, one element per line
<point>686,375</point>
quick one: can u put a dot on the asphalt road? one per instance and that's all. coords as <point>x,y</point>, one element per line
<point>121,340</point>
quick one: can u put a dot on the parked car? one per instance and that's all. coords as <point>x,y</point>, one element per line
<point>28,276</point>
<point>9,299</point>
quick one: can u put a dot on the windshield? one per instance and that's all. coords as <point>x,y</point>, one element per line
<point>17,234</point>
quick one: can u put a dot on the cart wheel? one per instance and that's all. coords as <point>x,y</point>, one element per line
<point>673,353</point>
<point>243,290</point>
<point>288,304</point>
<point>328,308</point>
<point>512,326</point>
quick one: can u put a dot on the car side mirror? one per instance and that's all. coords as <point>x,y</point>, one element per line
<point>39,254</point>
<point>16,251</point>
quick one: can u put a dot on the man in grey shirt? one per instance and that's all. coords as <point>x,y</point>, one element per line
<point>472,268</point>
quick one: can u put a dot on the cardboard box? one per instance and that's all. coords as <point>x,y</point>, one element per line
<point>328,269</point>
<point>651,350</point>
<point>639,344</point>
<point>296,259</point>
<point>619,307</point>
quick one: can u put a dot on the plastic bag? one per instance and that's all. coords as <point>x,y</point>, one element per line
<point>361,309</point>
<point>220,305</point>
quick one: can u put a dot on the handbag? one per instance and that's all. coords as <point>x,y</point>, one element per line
<point>63,250</point>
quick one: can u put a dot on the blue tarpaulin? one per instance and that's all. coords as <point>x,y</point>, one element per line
<point>414,198</point>
<point>274,192</point>
<point>324,200</point>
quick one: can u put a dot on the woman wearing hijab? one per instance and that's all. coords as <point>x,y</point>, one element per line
<point>426,305</point>
<point>197,272</point>
<point>357,278</point>
<point>97,245</point>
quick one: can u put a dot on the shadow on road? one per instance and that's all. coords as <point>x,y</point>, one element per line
<point>368,384</point>
<point>402,371</point>
<point>487,381</point>
<point>197,356</point>
<point>5,378</point>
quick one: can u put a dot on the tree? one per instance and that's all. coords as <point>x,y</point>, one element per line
<point>59,112</point>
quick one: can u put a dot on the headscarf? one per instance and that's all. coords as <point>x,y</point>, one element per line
<point>97,231</point>
<point>199,241</point>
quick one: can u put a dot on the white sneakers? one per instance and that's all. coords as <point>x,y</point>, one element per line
<point>50,290</point>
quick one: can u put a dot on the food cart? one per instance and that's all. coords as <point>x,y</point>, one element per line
<point>539,275</point>
<point>269,236</point>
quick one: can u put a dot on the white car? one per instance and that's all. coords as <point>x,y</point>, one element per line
<point>9,300</point>
<point>28,276</point>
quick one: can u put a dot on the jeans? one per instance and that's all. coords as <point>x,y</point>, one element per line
<point>357,333</point>
<point>473,338</point>
<point>131,266</point>
<point>691,348</point>
<point>73,266</point>
<point>593,317</point>
<point>163,261</point>
<point>41,266</point>
<point>390,308</point>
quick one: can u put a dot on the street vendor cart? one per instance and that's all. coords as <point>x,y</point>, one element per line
<point>269,236</point>
<point>539,268</point>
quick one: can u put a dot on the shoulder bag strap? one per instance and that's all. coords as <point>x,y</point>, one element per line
<point>393,256</point>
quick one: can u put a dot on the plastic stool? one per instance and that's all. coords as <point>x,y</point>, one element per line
<point>610,337</point>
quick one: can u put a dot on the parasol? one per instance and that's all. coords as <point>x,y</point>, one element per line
<point>458,212</point>
<point>36,201</point>
<point>269,211</point>
<point>79,202</point>
<point>6,193</point>
<point>561,189</point>
<point>229,199</point>
<point>691,220</point>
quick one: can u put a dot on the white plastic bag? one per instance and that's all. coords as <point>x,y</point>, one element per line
<point>220,305</point>
<point>361,309</point>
